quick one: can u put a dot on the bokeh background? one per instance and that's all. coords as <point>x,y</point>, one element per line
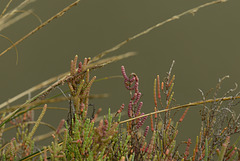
<point>205,47</point>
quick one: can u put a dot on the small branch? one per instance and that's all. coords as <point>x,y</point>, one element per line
<point>183,106</point>
<point>52,100</point>
<point>35,88</point>
<point>66,78</point>
<point>90,66</point>
<point>30,135</point>
<point>192,11</point>
<point>8,18</point>
<point>42,25</point>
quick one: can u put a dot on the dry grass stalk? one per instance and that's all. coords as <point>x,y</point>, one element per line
<point>68,77</point>
<point>31,90</point>
<point>191,11</point>
<point>46,101</point>
<point>42,25</point>
<point>183,106</point>
<point>9,19</point>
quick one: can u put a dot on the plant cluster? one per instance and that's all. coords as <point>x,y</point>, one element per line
<point>80,138</point>
<point>84,135</point>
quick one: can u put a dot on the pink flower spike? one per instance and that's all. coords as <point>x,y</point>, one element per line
<point>144,119</point>
<point>130,109</point>
<point>136,77</point>
<point>138,98</point>
<point>146,131</point>
<point>80,67</point>
<point>140,123</point>
<point>136,85</point>
<point>186,153</point>
<point>134,96</point>
<point>127,85</point>
<point>133,78</point>
<point>139,108</point>
<point>136,90</point>
<point>124,73</point>
<point>138,120</point>
<point>121,108</point>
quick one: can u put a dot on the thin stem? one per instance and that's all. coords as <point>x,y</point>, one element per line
<point>192,11</point>
<point>183,106</point>
<point>59,14</point>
